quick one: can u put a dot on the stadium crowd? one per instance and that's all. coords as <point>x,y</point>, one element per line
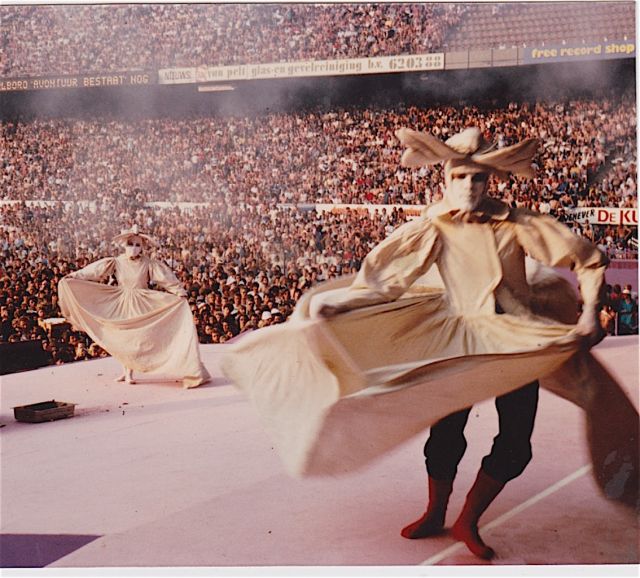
<point>342,156</point>
<point>243,268</point>
<point>255,243</point>
<point>76,39</point>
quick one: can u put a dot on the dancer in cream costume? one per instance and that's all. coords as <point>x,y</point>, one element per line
<point>147,330</point>
<point>368,362</point>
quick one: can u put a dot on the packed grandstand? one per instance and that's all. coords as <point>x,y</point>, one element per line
<point>251,210</point>
<point>72,39</point>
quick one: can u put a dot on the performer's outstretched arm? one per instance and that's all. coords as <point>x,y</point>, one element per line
<point>97,271</point>
<point>390,268</point>
<point>165,278</point>
<point>552,243</point>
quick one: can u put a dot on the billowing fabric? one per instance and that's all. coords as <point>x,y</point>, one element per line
<point>146,330</point>
<point>401,353</point>
<point>467,147</point>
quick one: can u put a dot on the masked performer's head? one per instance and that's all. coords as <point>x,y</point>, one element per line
<point>468,162</point>
<point>133,242</point>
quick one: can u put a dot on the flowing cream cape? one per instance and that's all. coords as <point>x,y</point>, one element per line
<point>401,352</point>
<point>146,330</point>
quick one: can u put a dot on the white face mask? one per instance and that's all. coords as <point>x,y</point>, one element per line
<point>465,188</point>
<point>132,251</point>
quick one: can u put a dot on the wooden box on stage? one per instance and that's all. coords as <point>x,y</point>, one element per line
<point>44,411</point>
<point>54,326</point>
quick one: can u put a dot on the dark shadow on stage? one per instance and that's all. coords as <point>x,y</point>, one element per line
<point>38,550</point>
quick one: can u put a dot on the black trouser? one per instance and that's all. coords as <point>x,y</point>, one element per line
<point>511,450</point>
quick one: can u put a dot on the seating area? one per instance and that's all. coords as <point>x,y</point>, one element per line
<point>85,38</point>
<point>521,24</point>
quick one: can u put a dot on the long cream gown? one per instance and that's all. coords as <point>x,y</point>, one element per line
<point>146,330</point>
<point>402,353</point>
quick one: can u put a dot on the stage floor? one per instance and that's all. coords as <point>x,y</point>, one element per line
<point>152,474</point>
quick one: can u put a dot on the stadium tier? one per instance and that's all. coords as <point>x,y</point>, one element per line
<point>74,39</point>
<point>507,25</point>
<point>71,46</point>
<point>90,39</point>
<point>342,155</point>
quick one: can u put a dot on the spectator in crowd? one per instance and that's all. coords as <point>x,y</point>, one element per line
<point>608,319</point>
<point>627,314</point>
<point>615,297</point>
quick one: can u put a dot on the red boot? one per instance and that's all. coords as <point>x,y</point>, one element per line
<point>432,522</point>
<point>465,529</point>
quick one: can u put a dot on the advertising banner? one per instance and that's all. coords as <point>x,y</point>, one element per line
<point>604,215</point>
<point>139,78</point>
<point>303,68</point>
<point>593,215</point>
<point>573,52</point>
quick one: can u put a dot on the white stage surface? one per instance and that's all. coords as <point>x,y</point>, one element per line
<point>151,474</point>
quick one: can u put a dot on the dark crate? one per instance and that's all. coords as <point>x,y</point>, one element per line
<point>44,411</point>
